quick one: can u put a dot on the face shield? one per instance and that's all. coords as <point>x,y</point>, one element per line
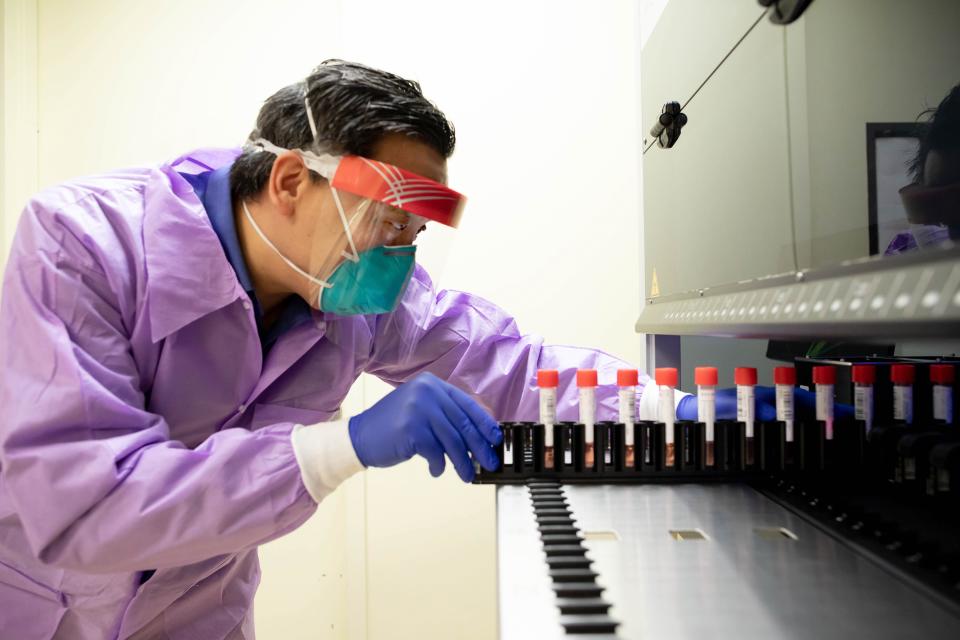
<point>363,249</point>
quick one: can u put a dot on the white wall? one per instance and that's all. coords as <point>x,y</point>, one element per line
<point>544,97</point>
<point>18,113</point>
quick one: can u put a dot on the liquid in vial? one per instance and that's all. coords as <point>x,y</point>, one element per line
<point>824,379</point>
<point>547,381</point>
<point>706,379</point>
<point>784,380</point>
<point>864,377</point>
<point>627,381</point>
<point>666,379</point>
<point>746,380</point>
<point>587,384</point>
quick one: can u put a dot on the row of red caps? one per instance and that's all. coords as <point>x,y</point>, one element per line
<point>902,374</point>
<point>550,378</point>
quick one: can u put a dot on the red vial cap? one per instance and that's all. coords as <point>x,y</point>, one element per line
<point>902,373</point>
<point>864,373</point>
<point>586,377</point>
<point>785,375</point>
<point>942,374</point>
<point>745,376</point>
<point>705,376</point>
<point>548,378</point>
<point>667,377</point>
<point>824,375</point>
<point>628,377</point>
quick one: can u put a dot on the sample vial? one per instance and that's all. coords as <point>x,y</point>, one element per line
<point>784,380</point>
<point>666,379</point>
<point>706,379</point>
<point>746,381</point>
<point>902,376</point>
<point>507,445</point>
<point>587,384</point>
<point>627,381</point>
<point>547,381</point>
<point>864,376</point>
<point>942,376</point>
<point>824,378</point>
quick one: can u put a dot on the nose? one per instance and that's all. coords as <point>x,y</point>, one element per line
<point>408,235</point>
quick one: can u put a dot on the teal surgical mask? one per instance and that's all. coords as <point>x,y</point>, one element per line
<point>372,284</point>
<point>369,282</point>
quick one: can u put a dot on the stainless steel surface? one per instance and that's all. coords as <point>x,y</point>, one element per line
<point>525,596</point>
<point>898,296</point>
<point>741,581</point>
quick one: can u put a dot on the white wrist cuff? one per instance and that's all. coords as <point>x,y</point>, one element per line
<point>650,401</point>
<point>326,456</point>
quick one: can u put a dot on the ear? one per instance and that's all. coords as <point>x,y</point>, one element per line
<point>288,177</point>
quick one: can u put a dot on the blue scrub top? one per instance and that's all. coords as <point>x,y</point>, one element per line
<point>213,189</point>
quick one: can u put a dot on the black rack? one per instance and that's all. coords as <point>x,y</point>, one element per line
<point>735,456</point>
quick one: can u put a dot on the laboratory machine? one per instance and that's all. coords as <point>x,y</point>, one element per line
<point>801,276</point>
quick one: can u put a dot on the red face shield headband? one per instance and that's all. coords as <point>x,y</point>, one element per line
<point>399,188</point>
<point>382,182</point>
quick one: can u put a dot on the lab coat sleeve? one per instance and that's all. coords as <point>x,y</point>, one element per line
<point>475,345</point>
<point>93,476</point>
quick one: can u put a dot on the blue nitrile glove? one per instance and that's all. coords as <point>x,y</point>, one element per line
<point>430,417</point>
<point>804,401</point>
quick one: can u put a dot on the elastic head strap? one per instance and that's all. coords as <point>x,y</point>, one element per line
<point>313,124</point>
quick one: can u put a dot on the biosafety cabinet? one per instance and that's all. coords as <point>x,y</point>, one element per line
<point>801,172</point>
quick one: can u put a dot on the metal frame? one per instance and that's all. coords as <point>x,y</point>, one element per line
<point>876,131</point>
<point>663,351</point>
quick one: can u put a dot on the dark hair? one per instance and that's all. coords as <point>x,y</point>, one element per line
<point>353,107</point>
<point>940,133</point>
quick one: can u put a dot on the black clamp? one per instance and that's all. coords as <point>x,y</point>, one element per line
<point>785,11</point>
<point>668,125</point>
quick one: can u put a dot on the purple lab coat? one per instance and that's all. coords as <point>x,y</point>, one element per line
<point>143,429</point>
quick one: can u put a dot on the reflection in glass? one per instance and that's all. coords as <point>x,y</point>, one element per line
<point>864,78</point>
<point>932,200</point>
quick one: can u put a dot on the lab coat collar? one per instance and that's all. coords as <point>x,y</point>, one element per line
<point>188,275</point>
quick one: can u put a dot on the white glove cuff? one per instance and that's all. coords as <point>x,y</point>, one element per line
<point>326,456</point>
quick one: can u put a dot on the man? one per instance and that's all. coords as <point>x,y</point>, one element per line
<point>176,342</point>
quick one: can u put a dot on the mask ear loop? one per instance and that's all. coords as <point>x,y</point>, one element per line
<point>322,283</point>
